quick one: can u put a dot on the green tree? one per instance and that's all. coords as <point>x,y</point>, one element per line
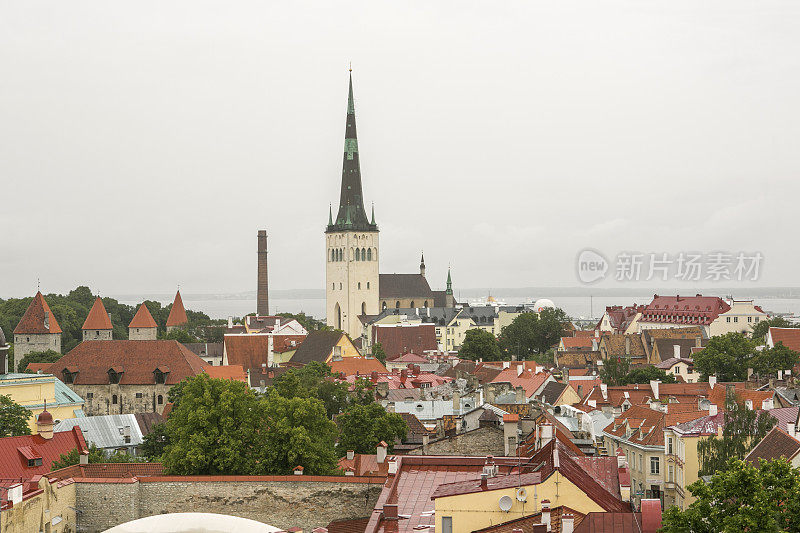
<point>13,418</point>
<point>770,360</point>
<point>743,497</point>
<point>550,328</point>
<point>728,356</point>
<point>49,356</point>
<point>743,429</point>
<point>533,334</point>
<point>307,321</point>
<point>298,432</point>
<point>362,427</point>
<point>314,380</point>
<point>216,428</point>
<point>646,374</point>
<point>96,455</point>
<point>480,344</point>
<point>181,335</point>
<point>155,442</point>
<point>615,370</point>
<point>760,330</point>
<point>379,353</point>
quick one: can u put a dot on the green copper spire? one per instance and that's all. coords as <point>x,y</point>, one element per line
<point>351,214</point>
<point>449,283</point>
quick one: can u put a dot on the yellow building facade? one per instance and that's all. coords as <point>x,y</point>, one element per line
<point>32,391</point>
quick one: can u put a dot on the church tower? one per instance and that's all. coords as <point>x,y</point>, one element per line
<point>351,244</point>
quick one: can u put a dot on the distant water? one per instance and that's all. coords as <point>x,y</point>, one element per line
<point>575,306</point>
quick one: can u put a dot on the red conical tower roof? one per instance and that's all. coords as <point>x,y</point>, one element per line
<point>98,317</point>
<point>33,321</point>
<point>143,319</point>
<point>177,315</point>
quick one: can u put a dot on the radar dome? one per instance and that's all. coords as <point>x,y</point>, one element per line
<point>543,303</point>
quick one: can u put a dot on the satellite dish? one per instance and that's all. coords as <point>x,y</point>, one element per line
<point>505,503</point>
<point>522,494</point>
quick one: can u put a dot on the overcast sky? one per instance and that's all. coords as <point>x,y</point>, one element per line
<point>143,144</point>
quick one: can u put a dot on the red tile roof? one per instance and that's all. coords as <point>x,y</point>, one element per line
<point>177,315</point>
<point>645,426</point>
<point>408,358</point>
<point>232,372</point>
<point>363,464</point>
<point>719,393</point>
<point>37,367</point>
<point>576,343</point>
<point>529,381</point>
<point>15,451</point>
<point>248,351</point>
<point>397,339</point>
<point>143,319</point>
<point>776,444</point>
<point>684,309</point>
<point>526,523</point>
<point>33,322</point>
<point>285,343</point>
<point>356,366</point>
<point>98,317</point>
<point>356,525</point>
<point>136,360</point>
<point>108,470</point>
<point>790,337</point>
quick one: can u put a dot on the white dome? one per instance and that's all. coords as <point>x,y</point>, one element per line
<point>193,522</point>
<point>543,303</point>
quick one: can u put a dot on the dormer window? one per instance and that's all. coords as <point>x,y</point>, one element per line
<point>160,375</point>
<point>115,374</point>
<point>69,374</point>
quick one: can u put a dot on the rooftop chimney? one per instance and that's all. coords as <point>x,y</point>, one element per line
<point>654,385</point>
<point>44,424</point>
<point>262,298</point>
<point>351,455</point>
<point>520,368</point>
<point>712,409</point>
<point>567,523</point>
<point>484,481</point>
<point>546,514</point>
<point>676,350</point>
<point>390,511</point>
<point>748,404</point>
<point>712,380</point>
<point>604,391</point>
<point>380,457</point>
<point>790,429</point>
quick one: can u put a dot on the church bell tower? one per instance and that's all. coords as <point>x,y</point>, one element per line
<point>351,241</point>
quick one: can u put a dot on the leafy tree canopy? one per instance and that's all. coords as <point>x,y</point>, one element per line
<point>729,356</point>
<point>760,330</point>
<point>615,370</point>
<point>49,356</point>
<point>534,333</point>
<point>96,455</point>
<point>742,497</point>
<point>646,374</point>
<point>314,381</point>
<point>155,442</point>
<point>743,429</point>
<point>379,353</point>
<point>362,427</point>
<point>13,418</point>
<point>480,344</point>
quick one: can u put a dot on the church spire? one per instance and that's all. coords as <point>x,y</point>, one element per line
<point>351,214</point>
<point>449,283</point>
<point>422,264</point>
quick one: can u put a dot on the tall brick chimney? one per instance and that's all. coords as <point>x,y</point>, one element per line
<point>262,298</point>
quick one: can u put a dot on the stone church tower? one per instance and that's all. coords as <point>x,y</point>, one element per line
<point>351,244</point>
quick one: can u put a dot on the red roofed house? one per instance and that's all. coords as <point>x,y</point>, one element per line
<point>118,377</point>
<point>37,331</point>
<point>97,326</point>
<point>232,372</point>
<point>143,327</point>
<point>715,315</point>
<point>356,366</point>
<point>398,339</point>
<point>177,314</point>
<point>531,381</point>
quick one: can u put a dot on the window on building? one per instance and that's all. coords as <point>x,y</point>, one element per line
<point>368,285</point>
<point>160,376</point>
<point>749,319</point>
<point>89,395</point>
<point>139,395</point>
<point>447,524</point>
<point>655,465</point>
<point>756,319</point>
<point>359,285</point>
<point>114,399</point>
<point>671,474</point>
<point>669,445</point>
<point>727,319</point>
<point>35,462</point>
<point>114,376</point>
<point>160,399</point>
<point>333,286</point>
<point>641,462</point>
<point>397,304</point>
<point>69,377</point>
<point>340,285</point>
<point>412,304</point>
<point>369,254</point>
<point>736,319</point>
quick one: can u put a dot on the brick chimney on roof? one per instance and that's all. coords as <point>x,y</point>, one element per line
<point>262,297</point>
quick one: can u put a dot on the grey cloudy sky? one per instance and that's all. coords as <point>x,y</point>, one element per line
<point>142,144</point>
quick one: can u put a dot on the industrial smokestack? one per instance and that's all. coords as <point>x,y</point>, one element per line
<point>262,298</point>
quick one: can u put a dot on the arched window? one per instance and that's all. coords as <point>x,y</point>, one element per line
<point>160,399</point>
<point>338,313</point>
<point>363,308</point>
<point>340,285</point>
<point>341,254</point>
<point>358,255</point>
<point>397,304</point>
<point>359,285</point>
<point>425,303</point>
<point>383,307</point>
<point>412,304</point>
<point>363,254</point>
<point>368,285</point>
<point>369,254</point>
<point>114,399</point>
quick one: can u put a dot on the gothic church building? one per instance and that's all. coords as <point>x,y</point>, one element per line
<point>354,286</point>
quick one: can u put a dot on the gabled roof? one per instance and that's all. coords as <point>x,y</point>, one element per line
<point>135,360</point>
<point>143,319</point>
<point>719,394</point>
<point>552,392</point>
<point>356,366</point>
<point>249,352</point>
<point>317,346</point>
<point>577,343</point>
<point>666,347</point>
<point>790,337</point>
<point>645,426</point>
<point>231,372</point>
<point>701,310</point>
<point>177,315</point>
<point>98,317</point>
<point>404,286</point>
<point>527,379</point>
<point>776,444</point>
<point>33,321</point>
<point>616,344</point>
<point>13,451</point>
<point>398,339</point>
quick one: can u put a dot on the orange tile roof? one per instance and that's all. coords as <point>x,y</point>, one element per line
<point>645,426</point>
<point>529,381</point>
<point>248,351</point>
<point>719,393</point>
<point>36,367</point>
<point>98,317</point>
<point>33,320</point>
<point>790,337</point>
<point>577,342</point>
<point>361,366</point>
<point>285,343</point>
<point>143,319</point>
<point>177,315</point>
<point>232,372</point>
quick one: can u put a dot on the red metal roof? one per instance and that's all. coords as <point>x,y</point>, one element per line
<point>177,315</point>
<point>16,451</point>
<point>33,322</point>
<point>98,317</point>
<point>143,319</point>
